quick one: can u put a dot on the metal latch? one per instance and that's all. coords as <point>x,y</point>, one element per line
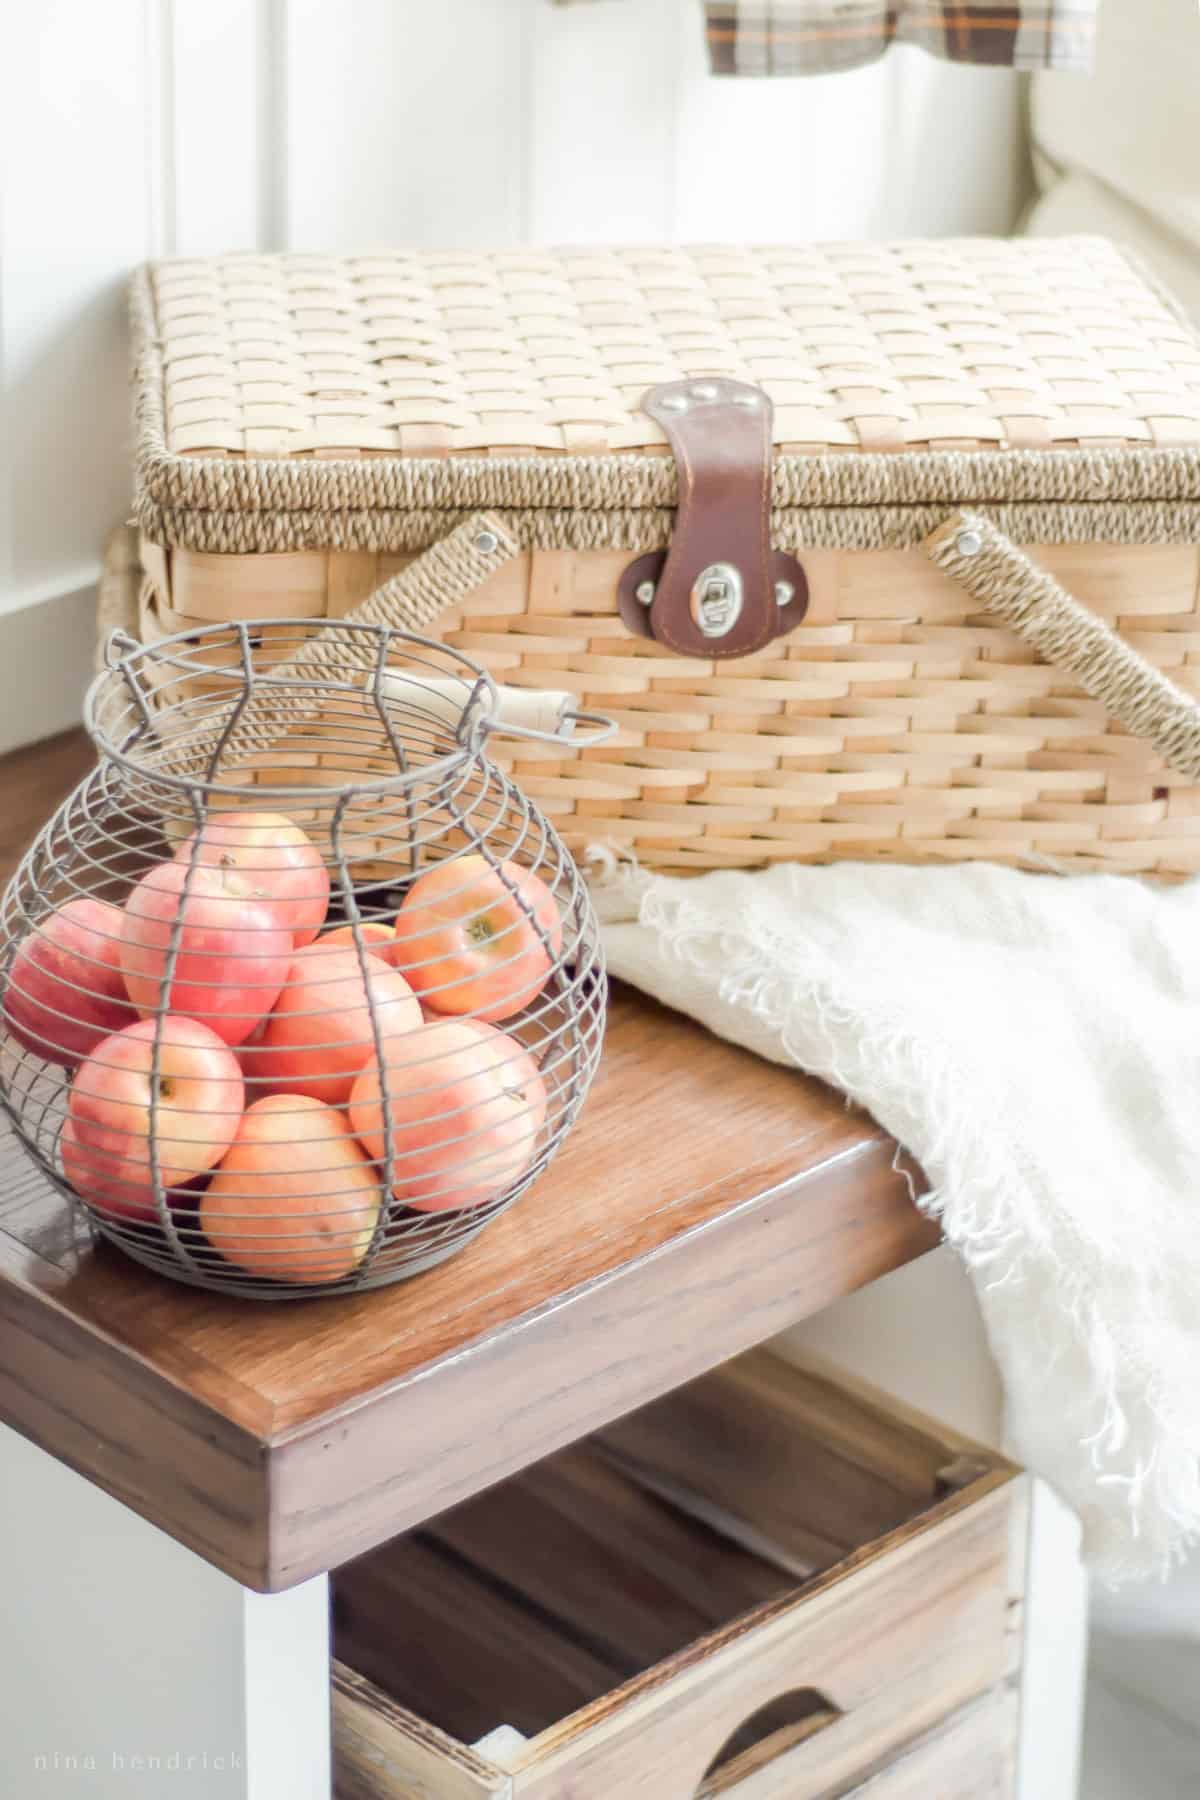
<point>717,599</point>
<point>720,590</point>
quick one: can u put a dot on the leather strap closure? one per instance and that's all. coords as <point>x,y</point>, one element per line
<point>720,590</point>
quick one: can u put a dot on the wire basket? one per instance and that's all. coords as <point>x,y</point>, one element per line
<point>299,990</point>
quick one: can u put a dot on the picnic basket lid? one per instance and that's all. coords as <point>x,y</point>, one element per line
<point>306,402</point>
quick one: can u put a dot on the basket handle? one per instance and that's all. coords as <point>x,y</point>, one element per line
<point>1041,611</point>
<point>411,600</point>
<point>440,577</point>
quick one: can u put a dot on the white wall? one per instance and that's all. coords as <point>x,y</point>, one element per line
<point>1120,154</point>
<point>146,127</point>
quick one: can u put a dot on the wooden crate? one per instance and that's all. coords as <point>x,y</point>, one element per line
<point>764,1586</point>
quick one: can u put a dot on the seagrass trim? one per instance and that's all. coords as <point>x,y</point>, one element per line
<point>1070,637</point>
<point>233,532</point>
<point>618,483</point>
<point>902,376</point>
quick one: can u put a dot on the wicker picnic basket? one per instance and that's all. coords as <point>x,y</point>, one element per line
<point>871,551</point>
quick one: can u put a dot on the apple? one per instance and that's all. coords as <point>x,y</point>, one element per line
<point>193,1108</point>
<point>378,938</point>
<point>466,1103</point>
<point>245,1050</point>
<point>233,953</point>
<point>65,988</point>
<point>279,862</point>
<point>320,1033</point>
<point>294,1199</point>
<point>467,941</point>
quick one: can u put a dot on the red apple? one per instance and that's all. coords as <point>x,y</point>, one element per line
<point>245,1050</point>
<point>65,988</point>
<point>468,939</point>
<point>294,1199</point>
<point>115,1103</point>
<point>277,860</point>
<point>233,953</point>
<point>378,938</point>
<point>467,1104</point>
<point>320,1033</point>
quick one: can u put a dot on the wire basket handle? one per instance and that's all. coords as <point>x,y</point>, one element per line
<point>1041,611</point>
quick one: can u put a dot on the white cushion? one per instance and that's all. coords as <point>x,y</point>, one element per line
<point>1119,151</point>
<point>1079,202</point>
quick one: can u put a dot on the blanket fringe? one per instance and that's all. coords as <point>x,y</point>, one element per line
<point>979,1205</point>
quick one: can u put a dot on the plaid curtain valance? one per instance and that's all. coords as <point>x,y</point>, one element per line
<point>819,37</point>
<point>816,37</point>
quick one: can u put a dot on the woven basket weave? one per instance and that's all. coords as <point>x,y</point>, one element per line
<point>311,426</point>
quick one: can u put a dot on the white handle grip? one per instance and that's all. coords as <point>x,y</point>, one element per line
<point>536,712</point>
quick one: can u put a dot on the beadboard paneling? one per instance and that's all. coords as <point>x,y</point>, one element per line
<point>216,77</point>
<point>141,127</point>
<point>75,217</point>
<point>601,128</point>
<point>405,121</point>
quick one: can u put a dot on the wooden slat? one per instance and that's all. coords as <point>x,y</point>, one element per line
<point>892,1644</point>
<point>968,1757</point>
<point>465,1653</point>
<point>382,1753</point>
<point>791,1464</point>
<point>569,1579</point>
<point>597,1550</point>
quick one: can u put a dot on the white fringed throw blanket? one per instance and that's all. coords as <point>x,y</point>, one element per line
<point>1035,1043</point>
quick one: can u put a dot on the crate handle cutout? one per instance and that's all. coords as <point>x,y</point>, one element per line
<point>769,1733</point>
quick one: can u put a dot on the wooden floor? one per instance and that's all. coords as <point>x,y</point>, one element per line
<point>32,782</point>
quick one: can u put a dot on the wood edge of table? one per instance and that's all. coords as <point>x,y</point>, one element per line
<point>322,1516</point>
<point>759,1180</point>
<point>92,1402</point>
<point>263,1508</point>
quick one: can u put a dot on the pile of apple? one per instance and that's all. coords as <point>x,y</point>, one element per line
<point>256,1070</point>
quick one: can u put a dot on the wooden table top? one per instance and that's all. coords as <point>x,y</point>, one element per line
<point>705,1201</point>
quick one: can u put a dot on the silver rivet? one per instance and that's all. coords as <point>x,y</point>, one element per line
<point>784,591</point>
<point>674,403</point>
<point>486,542</point>
<point>968,543</point>
<point>705,390</point>
<point>644,591</point>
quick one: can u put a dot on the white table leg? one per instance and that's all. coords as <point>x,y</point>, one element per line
<point>917,1334</point>
<point>128,1665</point>
<point>1054,1671</point>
